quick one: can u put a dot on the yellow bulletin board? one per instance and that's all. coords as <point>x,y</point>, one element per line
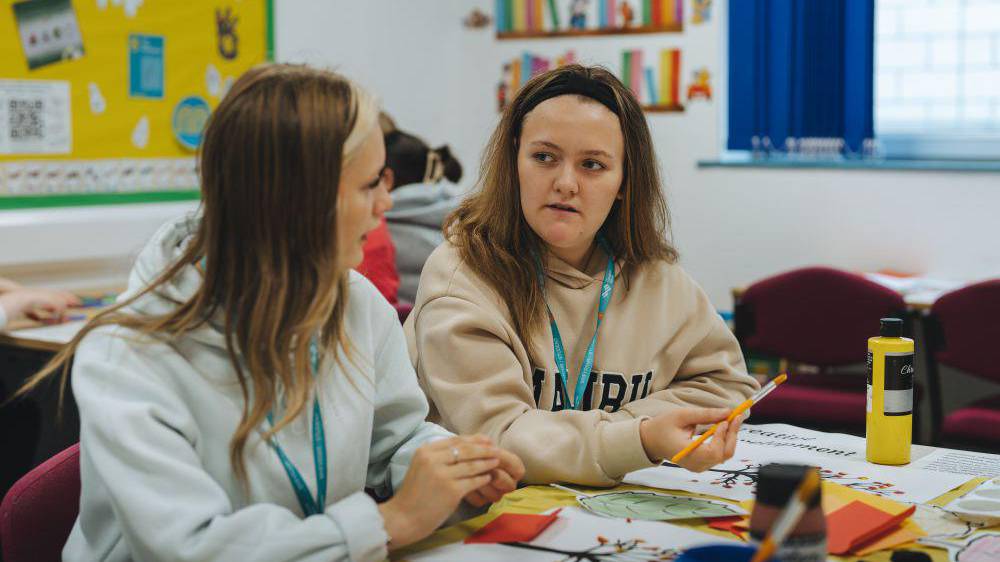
<point>103,101</point>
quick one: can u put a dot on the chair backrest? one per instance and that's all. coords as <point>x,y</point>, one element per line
<point>968,329</point>
<point>38,512</point>
<point>817,315</point>
<point>403,310</point>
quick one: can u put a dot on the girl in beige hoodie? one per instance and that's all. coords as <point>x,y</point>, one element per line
<point>555,319</point>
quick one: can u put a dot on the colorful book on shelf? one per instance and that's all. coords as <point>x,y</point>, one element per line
<point>651,86</point>
<point>612,13</point>
<point>539,15</point>
<point>553,15</point>
<point>602,13</point>
<point>515,75</point>
<point>647,13</point>
<point>670,63</point>
<point>529,14</point>
<point>626,67</point>
<point>635,80</point>
<point>657,10</point>
<point>520,21</point>
<point>668,11</point>
<point>526,64</point>
<point>679,12</point>
<point>500,12</point>
<point>675,77</point>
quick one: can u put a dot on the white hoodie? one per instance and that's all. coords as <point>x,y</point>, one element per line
<point>157,419</point>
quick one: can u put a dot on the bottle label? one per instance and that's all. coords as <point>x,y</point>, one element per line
<point>898,397</point>
<point>868,401</point>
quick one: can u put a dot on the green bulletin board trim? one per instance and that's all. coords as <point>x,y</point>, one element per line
<point>269,22</point>
<point>15,202</point>
<point>81,199</point>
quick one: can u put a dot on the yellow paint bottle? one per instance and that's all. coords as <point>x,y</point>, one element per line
<point>889,413</point>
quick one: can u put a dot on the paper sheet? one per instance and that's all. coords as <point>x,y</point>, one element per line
<point>839,457</point>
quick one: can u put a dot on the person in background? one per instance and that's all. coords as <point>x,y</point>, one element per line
<point>45,305</point>
<point>421,201</point>
<point>245,349</point>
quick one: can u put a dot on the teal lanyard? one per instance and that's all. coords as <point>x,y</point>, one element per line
<point>309,506</point>
<point>607,287</point>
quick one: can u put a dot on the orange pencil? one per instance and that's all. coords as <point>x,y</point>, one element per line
<point>744,406</point>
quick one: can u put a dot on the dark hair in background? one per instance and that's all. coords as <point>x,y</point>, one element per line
<point>407,155</point>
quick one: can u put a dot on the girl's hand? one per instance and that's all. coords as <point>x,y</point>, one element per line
<point>666,434</point>
<point>38,304</point>
<point>504,478</point>
<point>441,474</point>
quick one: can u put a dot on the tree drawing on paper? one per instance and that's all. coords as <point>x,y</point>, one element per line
<point>651,506</point>
<point>747,476</point>
<point>634,550</point>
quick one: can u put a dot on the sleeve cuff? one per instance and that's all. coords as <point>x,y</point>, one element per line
<point>361,525</point>
<point>621,448</point>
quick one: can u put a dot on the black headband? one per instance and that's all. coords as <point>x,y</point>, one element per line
<point>572,83</point>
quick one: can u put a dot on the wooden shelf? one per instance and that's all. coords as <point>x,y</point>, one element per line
<point>669,28</point>
<point>663,108</point>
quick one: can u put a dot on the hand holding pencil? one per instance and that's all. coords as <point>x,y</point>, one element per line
<point>734,415</point>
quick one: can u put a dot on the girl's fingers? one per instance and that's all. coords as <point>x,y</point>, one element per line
<point>467,485</point>
<point>503,482</point>
<point>476,498</point>
<point>468,469</point>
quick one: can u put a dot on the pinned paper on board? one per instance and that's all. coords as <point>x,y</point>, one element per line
<point>145,66</point>
<point>35,117</point>
<point>190,116</point>
<point>97,103</point>
<point>651,506</point>
<point>140,134</point>
<point>213,80</point>
<point>979,547</point>
<point>49,30</point>
<point>227,41</point>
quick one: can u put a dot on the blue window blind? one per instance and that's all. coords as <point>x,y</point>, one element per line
<point>801,76</point>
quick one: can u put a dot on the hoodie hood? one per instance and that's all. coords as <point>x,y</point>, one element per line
<point>162,251</point>
<point>423,204</point>
<point>572,278</point>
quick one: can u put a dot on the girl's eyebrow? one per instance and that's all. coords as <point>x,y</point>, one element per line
<point>592,152</point>
<point>378,177</point>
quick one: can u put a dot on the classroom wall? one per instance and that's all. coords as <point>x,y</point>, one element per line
<point>732,225</point>
<point>438,79</point>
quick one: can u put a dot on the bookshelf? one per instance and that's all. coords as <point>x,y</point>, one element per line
<point>533,34</point>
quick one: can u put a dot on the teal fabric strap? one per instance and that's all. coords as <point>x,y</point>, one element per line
<point>607,288</point>
<point>309,505</point>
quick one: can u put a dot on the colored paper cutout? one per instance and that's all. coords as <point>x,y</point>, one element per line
<point>852,526</point>
<point>513,527</point>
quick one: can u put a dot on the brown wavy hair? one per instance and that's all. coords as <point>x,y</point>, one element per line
<point>489,229</point>
<point>269,163</point>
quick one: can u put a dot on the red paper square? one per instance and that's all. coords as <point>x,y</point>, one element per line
<point>513,527</point>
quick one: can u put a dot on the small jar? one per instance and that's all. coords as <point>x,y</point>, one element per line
<point>776,483</point>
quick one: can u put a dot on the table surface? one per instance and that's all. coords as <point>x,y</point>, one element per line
<point>28,334</point>
<point>537,499</point>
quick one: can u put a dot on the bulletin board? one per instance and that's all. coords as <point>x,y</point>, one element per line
<point>104,101</point>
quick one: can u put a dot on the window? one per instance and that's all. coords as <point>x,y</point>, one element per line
<point>937,83</point>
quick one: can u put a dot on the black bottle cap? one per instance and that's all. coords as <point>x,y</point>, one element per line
<point>890,328</point>
<point>777,482</point>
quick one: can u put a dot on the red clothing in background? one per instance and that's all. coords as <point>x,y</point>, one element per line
<point>379,264</point>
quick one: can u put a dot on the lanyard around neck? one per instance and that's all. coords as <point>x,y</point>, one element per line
<point>309,505</point>
<point>607,287</point>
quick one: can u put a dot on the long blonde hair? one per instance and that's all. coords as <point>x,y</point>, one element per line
<point>493,237</point>
<point>270,164</point>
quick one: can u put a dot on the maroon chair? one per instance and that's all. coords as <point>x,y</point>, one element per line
<point>403,310</point>
<point>962,331</point>
<point>821,317</point>
<point>38,512</point>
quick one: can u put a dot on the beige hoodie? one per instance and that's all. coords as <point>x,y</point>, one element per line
<point>661,346</point>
